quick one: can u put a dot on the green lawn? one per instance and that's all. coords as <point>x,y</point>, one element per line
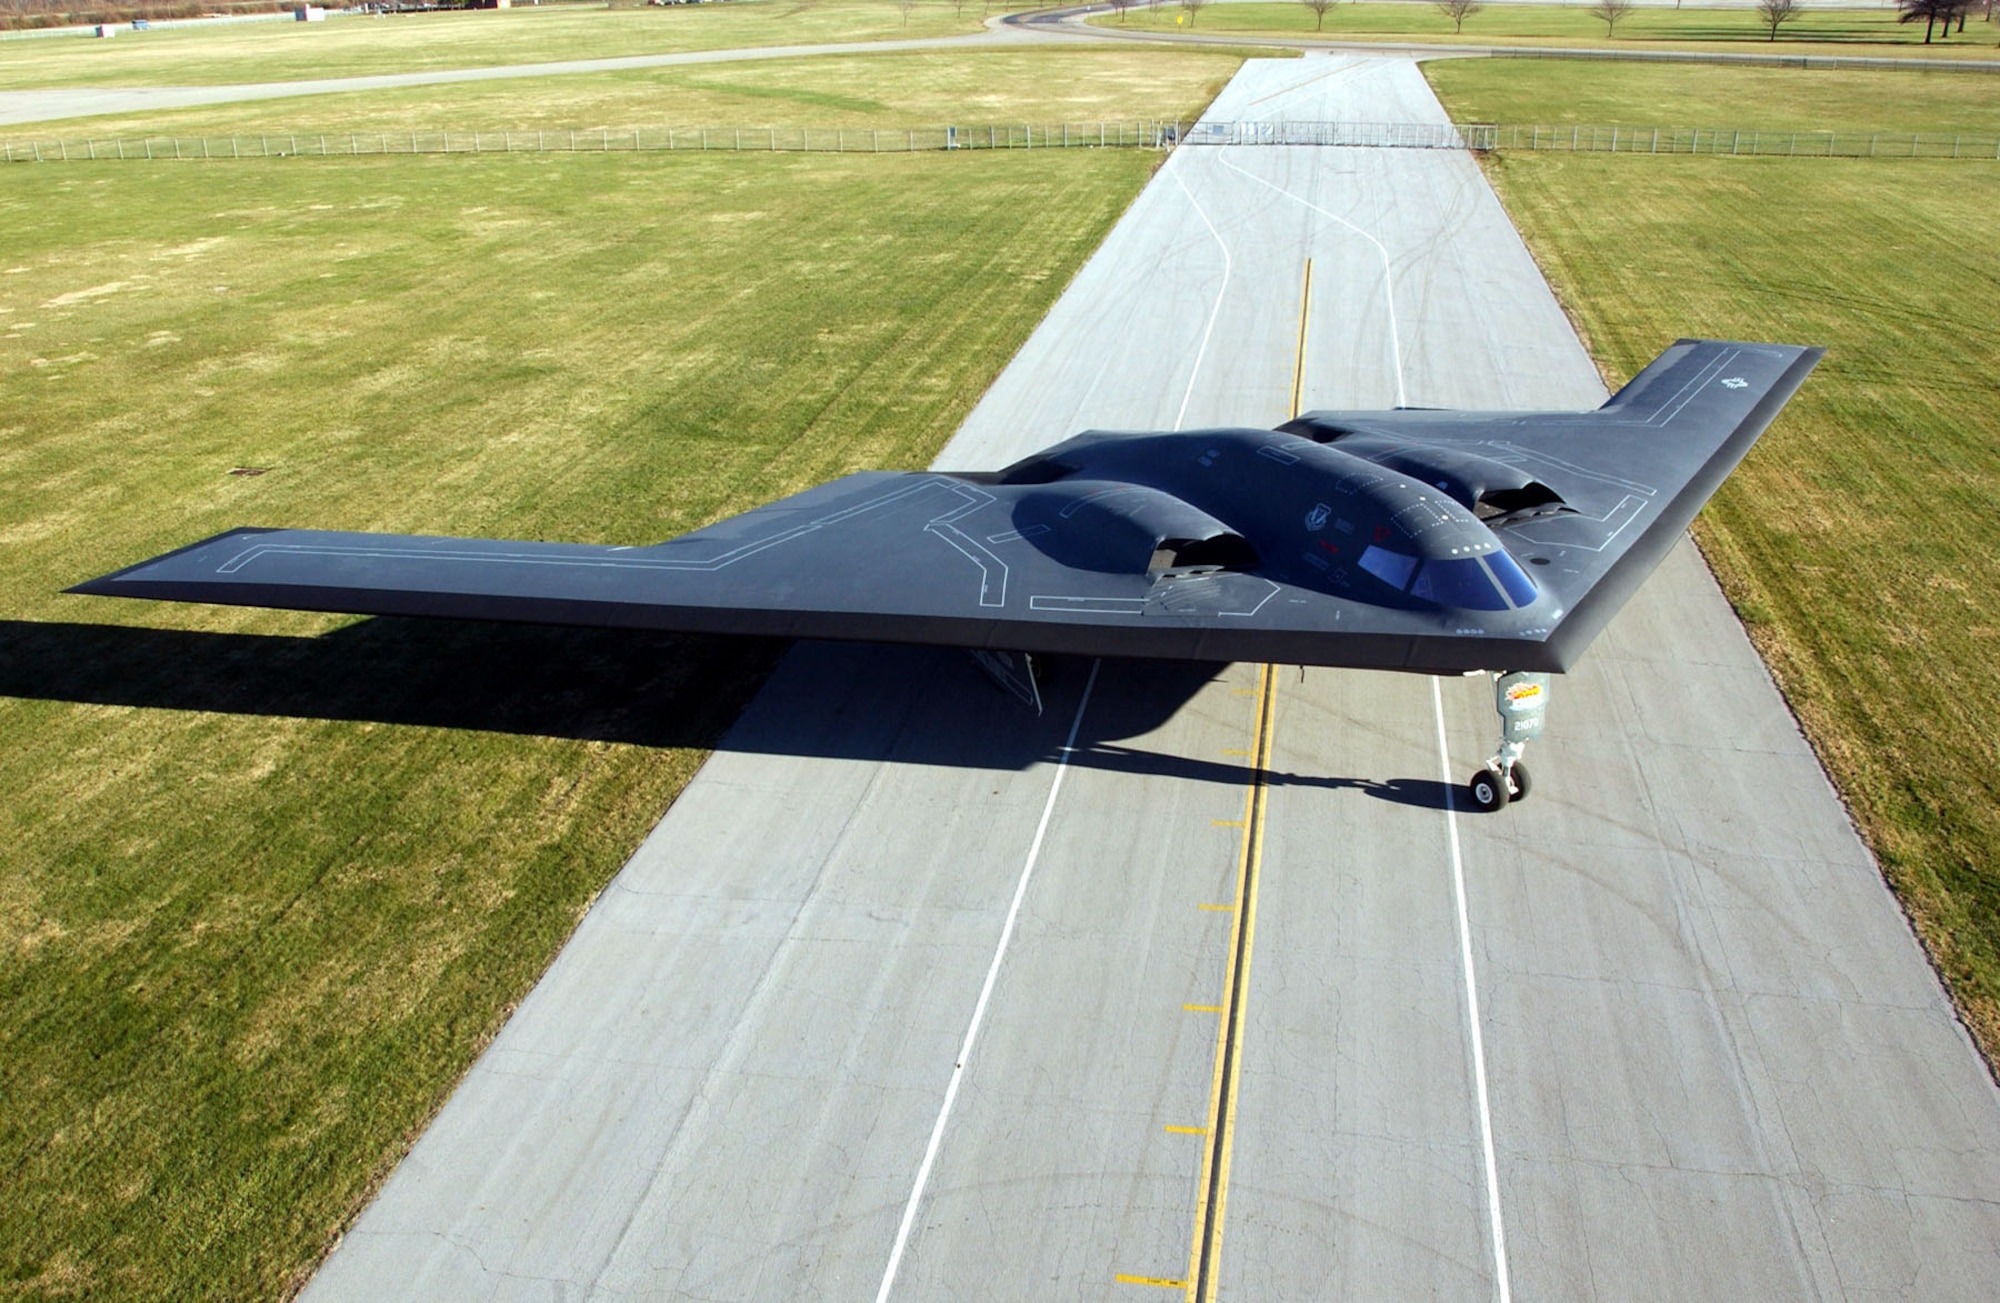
<point>1855,538</point>
<point>1684,95</point>
<point>888,90</point>
<point>1816,31</point>
<point>355,46</point>
<point>268,880</point>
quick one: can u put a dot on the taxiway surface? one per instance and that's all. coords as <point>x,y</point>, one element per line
<point>913,994</point>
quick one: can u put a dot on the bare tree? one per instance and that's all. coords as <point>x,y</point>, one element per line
<point>1121,6</point>
<point>1934,12</point>
<point>1458,11</point>
<point>1319,8</point>
<point>1774,12</point>
<point>906,6</point>
<point>1193,7</point>
<point>1609,12</point>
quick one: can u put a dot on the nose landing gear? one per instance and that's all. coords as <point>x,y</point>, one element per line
<point>1523,701</point>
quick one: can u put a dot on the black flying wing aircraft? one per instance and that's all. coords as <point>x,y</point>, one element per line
<point>1440,542</point>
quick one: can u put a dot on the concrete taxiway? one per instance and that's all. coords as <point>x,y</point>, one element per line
<point>913,994</point>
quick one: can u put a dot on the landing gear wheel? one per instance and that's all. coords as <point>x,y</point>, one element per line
<point>1517,776</point>
<point>1488,792</point>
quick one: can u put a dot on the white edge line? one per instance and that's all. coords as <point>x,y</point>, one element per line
<point>1228,265</point>
<point>1472,1007</point>
<point>1388,274</point>
<point>985,994</point>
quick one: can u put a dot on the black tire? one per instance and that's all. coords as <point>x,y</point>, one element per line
<point>1487,791</point>
<point>1517,778</point>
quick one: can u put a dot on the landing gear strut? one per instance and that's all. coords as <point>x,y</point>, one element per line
<point>1523,701</point>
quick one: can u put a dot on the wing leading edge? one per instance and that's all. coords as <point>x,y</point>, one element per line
<point>1208,545</point>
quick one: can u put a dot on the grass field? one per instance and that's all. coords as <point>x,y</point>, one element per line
<point>1853,539</point>
<point>1816,31</point>
<point>1681,94</point>
<point>888,90</point>
<point>356,46</point>
<point>268,880</point>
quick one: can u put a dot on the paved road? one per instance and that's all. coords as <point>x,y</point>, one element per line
<point>24,106</point>
<point>1074,21</point>
<point>1657,1032</point>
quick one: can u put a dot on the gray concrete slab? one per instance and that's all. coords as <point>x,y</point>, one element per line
<point>1715,1061</point>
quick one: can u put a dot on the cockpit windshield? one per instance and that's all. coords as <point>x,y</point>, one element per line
<point>1492,582</point>
<point>1460,582</point>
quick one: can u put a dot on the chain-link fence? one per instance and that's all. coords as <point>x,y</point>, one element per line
<point>1743,141</point>
<point>603,140</point>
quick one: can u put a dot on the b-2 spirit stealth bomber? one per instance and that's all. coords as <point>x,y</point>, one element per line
<point>1441,542</point>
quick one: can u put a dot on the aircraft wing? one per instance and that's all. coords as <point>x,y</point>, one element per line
<point>1627,478</point>
<point>1208,545</point>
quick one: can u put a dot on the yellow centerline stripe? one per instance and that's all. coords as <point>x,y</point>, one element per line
<point>1299,360</point>
<point>1204,1255</point>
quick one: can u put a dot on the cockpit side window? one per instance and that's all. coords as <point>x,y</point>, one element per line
<point>1520,589</point>
<point>1392,568</point>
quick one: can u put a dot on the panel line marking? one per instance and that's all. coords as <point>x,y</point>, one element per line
<point>1205,1254</point>
<point>1187,1131</point>
<point>1220,909</point>
<point>985,994</point>
<point>1161,1281</point>
<point>1499,1235</point>
<point>1202,1008</point>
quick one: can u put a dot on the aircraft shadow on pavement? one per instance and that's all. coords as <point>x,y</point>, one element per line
<point>916,705</point>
